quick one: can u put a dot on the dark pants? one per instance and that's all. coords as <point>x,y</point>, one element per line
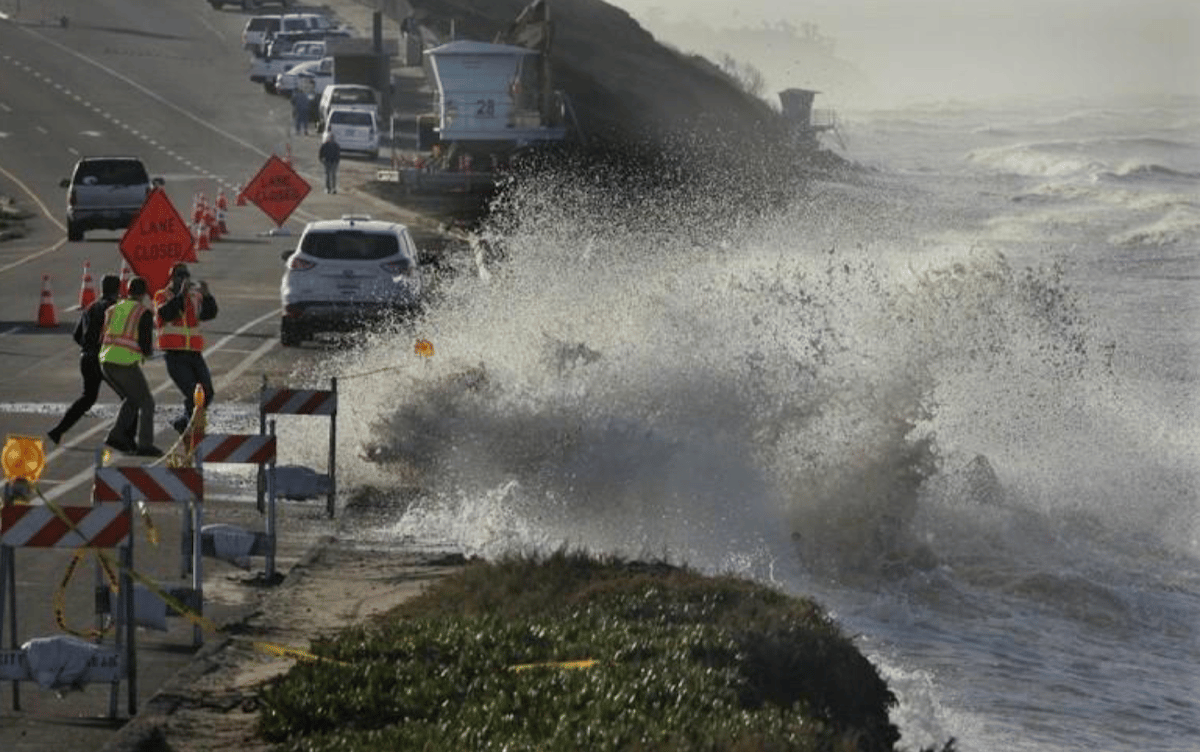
<point>137,405</point>
<point>187,369</point>
<point>93,377</point>
<point>330,176</point>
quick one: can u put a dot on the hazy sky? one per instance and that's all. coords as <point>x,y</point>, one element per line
<point>959,48</point>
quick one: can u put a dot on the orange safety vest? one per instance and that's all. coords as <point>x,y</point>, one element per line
<point>119,344</point>
<point>184,332</point>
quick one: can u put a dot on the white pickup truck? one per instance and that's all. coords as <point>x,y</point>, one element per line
<point>317,72</point>
<point>264,70</point>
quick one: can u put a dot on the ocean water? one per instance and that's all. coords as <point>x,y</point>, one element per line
<point>953,398</point>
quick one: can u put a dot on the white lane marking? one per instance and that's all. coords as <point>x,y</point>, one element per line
<point>85,476</point>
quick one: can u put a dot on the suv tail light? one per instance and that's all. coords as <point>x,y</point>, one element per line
<point>398,267</point>
<point>297,264</point>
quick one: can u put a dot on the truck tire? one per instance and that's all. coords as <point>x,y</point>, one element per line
<point>290,334</point>
<point>74,232</point>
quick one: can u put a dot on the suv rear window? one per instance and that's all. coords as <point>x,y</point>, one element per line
<point>111,172</point>
<point>352,96</point>
<point>262,24</point>
<point>350,245</point>
<point>350,117</point>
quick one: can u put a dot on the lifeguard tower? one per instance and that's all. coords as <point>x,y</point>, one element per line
<point>806,123</point>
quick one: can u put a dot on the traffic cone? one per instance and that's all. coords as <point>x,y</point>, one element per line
<point>241,196</point>
<point>210,221</point>
<point>87,290</point>
<point>198,207</point>
<point>47,316</point>
<point>126,272</point>
<point>202,237</point>
<point>222,205</point>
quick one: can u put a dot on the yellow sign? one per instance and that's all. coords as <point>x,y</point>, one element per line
<point>23,458</point>
<point>424,348</point>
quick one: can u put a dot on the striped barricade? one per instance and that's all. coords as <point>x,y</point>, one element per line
<point>60,662</point>
<point>312,402</point>
<point>184,485</point>
<point>256,449</point>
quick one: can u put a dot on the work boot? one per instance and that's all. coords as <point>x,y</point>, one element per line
<point>119,444</point>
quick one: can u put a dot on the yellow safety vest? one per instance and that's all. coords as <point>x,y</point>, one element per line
<point>119,345</point>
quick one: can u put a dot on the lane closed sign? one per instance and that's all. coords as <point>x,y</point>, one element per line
<point>157,239</point>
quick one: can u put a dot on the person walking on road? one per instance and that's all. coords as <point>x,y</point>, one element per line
<point>301,108</point>
<point>88,331</point>
<point>330,154</point>
<point>128,340</point>
<point>179,308</point>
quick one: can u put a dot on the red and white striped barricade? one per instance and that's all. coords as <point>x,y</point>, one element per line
<point>184,485</point>
<point>318,402</point>
<point>65,660</point>
<point>256,449</point>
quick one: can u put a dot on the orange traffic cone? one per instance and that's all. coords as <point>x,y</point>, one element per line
<point>202,237</point>
<point>241,197</point>
<point>210,221</point>
<point>47,316</point>
<point>222,205</point>
<point>87,290</point>
<point>198,207</point>
<point>126,272</point>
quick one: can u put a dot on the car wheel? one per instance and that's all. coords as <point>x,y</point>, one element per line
<point>74,232</point>
<point>290,334</point>
<point>373,155</point>
<point>269,87</point>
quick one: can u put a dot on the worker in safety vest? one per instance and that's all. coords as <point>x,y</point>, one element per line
<point>88,331</point>
<point>179,308</point>
<point>127,340</point>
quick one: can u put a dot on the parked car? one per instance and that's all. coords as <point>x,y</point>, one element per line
<point>318,72</point>
<point>347,97</point>
<point>264,70</point>
<point>259,30</point>
<point>346,272</point>
<point>246,4</point>
<point>105,193</point>
<point>354,130</point>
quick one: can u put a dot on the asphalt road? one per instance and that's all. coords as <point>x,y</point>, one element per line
<point>164,80</point>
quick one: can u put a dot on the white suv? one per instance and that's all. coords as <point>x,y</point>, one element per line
<point>346,272</point>
<point>105,193</point>
<point>348,97</point>
<point>354,130</point>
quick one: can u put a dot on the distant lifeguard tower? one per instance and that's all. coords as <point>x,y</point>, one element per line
<point>806,123</point>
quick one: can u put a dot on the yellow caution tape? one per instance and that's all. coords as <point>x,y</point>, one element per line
<point>110,571</point>
<point>60,601</point>
<point>148,521</point>
<point>585,663</point>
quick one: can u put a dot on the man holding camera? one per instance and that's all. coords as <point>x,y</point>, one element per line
<point>179,308</point>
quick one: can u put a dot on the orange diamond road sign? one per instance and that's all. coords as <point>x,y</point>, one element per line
<point>277,189</point>
<point>157,239</point>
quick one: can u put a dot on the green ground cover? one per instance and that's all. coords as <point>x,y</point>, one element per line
<point>572,652</point>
